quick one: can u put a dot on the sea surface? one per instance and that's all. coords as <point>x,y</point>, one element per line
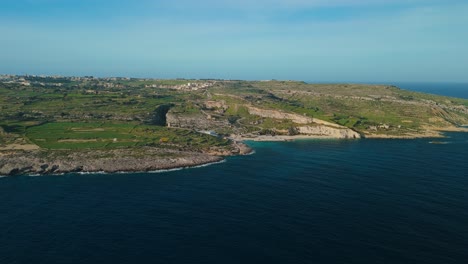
<point>447,89</point>
<point>308,201</point>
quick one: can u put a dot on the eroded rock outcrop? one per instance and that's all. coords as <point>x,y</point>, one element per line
<point>197,121</point>
<point>316,127</point>
<point>321,130</point>
<point>129,160</point>
<point>296,118</point>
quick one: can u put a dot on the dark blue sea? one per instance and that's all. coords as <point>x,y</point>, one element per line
<point>311,201</point>
<point>447,89</point>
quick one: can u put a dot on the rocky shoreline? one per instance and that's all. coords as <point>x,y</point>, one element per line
<point>32,161</point>
<point>434,133</point>
<point>44,162</point>
<point>268,138</point>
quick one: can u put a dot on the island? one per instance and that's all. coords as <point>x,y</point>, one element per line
<point>57,124</point>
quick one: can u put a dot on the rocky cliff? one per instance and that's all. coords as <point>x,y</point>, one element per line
<point>325,131</point>
<point>129,160</point>
<point>314,126</point>
<point>198,121</point>
<point>298,119</point>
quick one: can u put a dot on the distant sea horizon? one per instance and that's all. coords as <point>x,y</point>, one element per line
<point>444,88</point>
<point>453,89</point>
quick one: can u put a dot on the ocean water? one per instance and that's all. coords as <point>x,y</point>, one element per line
<point>322,201</point>
<point>447,89</point>
<point>309,201</point>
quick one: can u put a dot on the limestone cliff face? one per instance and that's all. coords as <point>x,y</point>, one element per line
<point>319,127</point>
<point>193,121</point>
<point>321,130</point>
<point>296,118</point>
<point>178,120</point>
<point>309,126</point>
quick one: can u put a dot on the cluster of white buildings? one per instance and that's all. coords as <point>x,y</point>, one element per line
<point>185,87</point>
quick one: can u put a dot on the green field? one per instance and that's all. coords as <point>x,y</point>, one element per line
<point>68,135</point>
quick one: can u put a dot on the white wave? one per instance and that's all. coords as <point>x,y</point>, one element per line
<point>188,167</point>
<point>125,172</point>
<point>440,142</point>
<point>250,153</point>
<point>89,172</point>
<point>164,170</point>
<point>32,175</point>
<point>155,171</point>
<point>50,174</point>
<point>207,164</point>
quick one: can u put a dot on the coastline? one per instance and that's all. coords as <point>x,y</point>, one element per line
<point>104,161</point>
<point>152,160</point>
<point>124,172</point>
<point>461,128</point>
<point>21,161</point>
<point>293,138</point>
<point>430,133</point>
<point>281,138</point>
<point>128,172</point>
<point>161,169</point>
<point>411,136</point>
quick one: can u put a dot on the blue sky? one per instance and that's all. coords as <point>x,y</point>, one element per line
<point>314,40</point>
